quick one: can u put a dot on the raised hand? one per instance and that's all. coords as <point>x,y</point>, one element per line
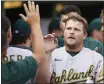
<point>33,19</point>
<point>51,42</point>
<point>32,14</point>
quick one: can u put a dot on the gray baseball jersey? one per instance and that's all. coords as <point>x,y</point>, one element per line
<point>15,53</point>
<point>65,68</point>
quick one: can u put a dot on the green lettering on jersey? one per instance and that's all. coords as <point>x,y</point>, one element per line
<point>72,76</point>
<point>19,57</point>
<point>11,57</point>
<point>52,80</point>
<point>63,75</point>
<point>57,79</point>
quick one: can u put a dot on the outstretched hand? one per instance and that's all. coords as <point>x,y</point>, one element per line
<point>32,13</point>
<point>51,42</point>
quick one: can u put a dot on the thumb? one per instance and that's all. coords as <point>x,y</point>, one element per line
<point>53,34</point>
<point>96,49</point>
<point>23,17</point>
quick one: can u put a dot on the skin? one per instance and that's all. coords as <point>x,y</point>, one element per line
<point>73,35</point>
<point>9,35</point>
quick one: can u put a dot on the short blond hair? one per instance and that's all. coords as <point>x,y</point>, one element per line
<point>79,18</point>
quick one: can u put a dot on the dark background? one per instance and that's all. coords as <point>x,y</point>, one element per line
<point>89,9</point>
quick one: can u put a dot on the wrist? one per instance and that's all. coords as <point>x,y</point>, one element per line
<point>35,25</point>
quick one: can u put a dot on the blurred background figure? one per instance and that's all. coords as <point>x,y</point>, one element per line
<point>54,27</point>
<point>21,41</point>
<point>94,29</point>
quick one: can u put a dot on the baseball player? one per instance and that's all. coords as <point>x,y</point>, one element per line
<point>74,63</point>
<point>88,42</point>
<point>21,41</point>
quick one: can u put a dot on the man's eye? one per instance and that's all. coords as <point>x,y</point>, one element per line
<point>68,28</point>
<point>77,29</point>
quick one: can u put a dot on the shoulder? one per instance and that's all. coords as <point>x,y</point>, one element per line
<point>14,70</point>
<point>89,39</point>
<point>19,65</point>
<point>59,53</point>
<point>18,50</point>
<point>87,50</point>
<point>96,56</point>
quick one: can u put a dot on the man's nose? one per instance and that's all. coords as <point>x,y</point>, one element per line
<point>72,31</point>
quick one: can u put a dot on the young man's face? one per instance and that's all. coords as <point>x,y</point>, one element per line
<point>63,17</point>
<point>73,33</point>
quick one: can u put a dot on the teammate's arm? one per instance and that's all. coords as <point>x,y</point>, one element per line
<point>50,45</point>
<point>33,19</point>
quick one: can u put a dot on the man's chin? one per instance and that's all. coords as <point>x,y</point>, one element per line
<point>71,44</point>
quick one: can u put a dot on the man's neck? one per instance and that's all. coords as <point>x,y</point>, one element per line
<point>73,49</point>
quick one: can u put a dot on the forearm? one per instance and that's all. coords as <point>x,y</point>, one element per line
<point>38,42</point>
<point>43,72</point>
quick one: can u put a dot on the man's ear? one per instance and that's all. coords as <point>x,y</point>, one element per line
<point>9,35</point>
<point>62,26</point>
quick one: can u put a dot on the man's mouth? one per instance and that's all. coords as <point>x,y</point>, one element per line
<point>71,37</point>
